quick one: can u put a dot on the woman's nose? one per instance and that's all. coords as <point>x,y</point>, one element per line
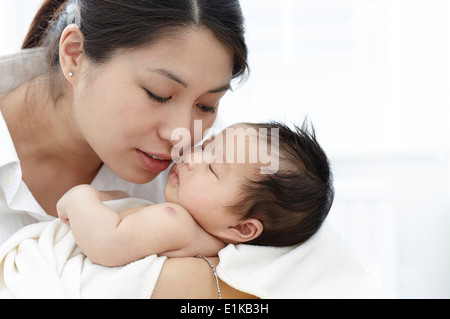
<point>176,127</point>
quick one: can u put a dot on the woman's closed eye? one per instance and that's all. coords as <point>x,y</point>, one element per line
<point>207,109</point>
<point>158,99</point>
<point>163,100</point>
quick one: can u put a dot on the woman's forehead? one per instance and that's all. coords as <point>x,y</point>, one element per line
<point>186,55</point>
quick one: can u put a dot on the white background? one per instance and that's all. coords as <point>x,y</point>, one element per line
<point>374,78</point>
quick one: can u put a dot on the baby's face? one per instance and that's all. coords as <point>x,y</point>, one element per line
<point>206,184</point>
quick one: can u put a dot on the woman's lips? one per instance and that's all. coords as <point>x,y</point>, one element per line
<point>153,163</point>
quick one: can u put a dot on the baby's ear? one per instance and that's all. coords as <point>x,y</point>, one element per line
<point>243,232</point>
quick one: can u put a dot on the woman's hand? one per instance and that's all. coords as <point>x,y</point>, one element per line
<point>192,278</point>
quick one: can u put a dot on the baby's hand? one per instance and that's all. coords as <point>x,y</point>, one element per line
<point>61,208</point>
<point>71,198</point>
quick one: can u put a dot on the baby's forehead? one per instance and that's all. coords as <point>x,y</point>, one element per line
<point>239,130</point>
<point>235,140</point>
<point>236,126</point>
<point>240,144</point>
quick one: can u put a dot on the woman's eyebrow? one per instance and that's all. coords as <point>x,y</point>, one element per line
<point>168,74</point>
<point>223,88</point>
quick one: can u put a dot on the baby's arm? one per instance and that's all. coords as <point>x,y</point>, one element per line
<point>113,239</point>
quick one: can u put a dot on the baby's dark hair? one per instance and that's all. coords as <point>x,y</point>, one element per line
<point>293,203</point>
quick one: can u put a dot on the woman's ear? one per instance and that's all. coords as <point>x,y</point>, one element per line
<point>243,232</point>
<point>71,50</point>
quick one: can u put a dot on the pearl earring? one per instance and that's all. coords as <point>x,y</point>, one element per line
<point>70,74</point>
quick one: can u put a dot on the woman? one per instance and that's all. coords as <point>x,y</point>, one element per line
<point>121,76</point>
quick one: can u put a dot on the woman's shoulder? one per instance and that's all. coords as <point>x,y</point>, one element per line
<point>23,55</point>
<point>19,68</point>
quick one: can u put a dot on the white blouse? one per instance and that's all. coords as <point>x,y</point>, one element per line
<point>18,207</point>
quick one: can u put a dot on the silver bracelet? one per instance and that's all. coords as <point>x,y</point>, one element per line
<point>215,274</point>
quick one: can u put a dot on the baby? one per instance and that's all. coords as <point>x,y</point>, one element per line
<point>213,203</point>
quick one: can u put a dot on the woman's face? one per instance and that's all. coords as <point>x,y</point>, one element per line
<point>128,112</point>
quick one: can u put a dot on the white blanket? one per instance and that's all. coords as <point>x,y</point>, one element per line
<point>322,268</point>
<point>43,261</point>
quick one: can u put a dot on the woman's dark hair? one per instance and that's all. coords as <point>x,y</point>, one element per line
<point>109,25</point>
<point>293,203</point>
